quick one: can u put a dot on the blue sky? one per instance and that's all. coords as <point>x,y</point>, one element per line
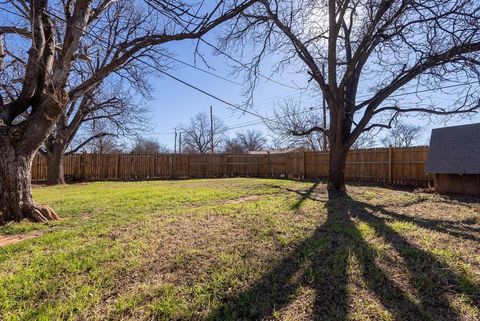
<point>174,103</point>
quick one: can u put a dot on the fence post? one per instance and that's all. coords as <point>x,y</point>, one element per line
<point>206,165</point>
<point>154,165</point>
<point>390,159</point>
<point>304,165</point>
<point>224,161</point>
<point>287,161</point>
<point>188,166</point>
<point>264,166</point>
<point>117,167</point>
<point>82,167</point>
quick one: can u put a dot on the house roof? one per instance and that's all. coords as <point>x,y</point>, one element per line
<point>275,151</point>
<point>454,150</point>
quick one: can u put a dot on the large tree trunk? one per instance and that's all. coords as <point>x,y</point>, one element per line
<point>55,173</point>
<point>16,202</point>
<point>338,142</point>
<point>336,168</point>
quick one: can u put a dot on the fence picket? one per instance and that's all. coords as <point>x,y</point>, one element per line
<point>387,165</point>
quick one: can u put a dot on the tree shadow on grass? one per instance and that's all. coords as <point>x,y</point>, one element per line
<point>321,262</point>
<point>432,279</point>
<point>463,229</point>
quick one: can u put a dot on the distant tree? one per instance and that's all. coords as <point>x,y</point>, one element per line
<point>147,146</point>
<point>291,126</point>
<point>233,146</point>
<point>403,135</point>
<point>104,144</point>
<point>365,140</point>
<point>196,135</point>
<point>251,140</point>
<point>243,142</point>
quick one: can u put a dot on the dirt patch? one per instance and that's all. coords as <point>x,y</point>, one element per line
<point>243,199</point>
<point>13,239</point>
<point>86,216</point>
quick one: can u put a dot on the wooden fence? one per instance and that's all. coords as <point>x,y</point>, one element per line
<point>404,166</point>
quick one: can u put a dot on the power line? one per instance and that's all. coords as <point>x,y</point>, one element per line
<point>223,53</point>
<point>200,90</point>
<point>216,97</point>
<point>266,103</point>
<point>421,91</point>
<point>244,65</point>
<point>241,125</point>
<point>255,122</point>
<point>200,69</point>
<point>160,70</point>
<point>226,54</point>
<point>161,53</point>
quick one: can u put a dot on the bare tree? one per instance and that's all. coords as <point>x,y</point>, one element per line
<point>108,103</point>
<point>197,134</point>
<point>104,145</point>
<point>291,126</point>
<point>112,112</point>
<point>147,146</point>
<point>402,135</point>
<point>371,50</point>
<point>96,137</point>
<point>243,142</point>
<point>39,83</point>
<point>251,140</point>
<point>233,146</point>
<point>366,140</point>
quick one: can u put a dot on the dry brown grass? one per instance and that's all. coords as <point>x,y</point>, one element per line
<point>247,249</point>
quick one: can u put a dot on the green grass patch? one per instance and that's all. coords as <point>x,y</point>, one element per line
<point>242,249</point>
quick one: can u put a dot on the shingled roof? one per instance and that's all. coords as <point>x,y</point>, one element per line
<point>454,150</point>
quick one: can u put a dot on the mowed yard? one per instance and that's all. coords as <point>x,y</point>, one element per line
<point>243,249</point>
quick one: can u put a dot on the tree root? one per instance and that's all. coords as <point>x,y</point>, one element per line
<point>40,213</point>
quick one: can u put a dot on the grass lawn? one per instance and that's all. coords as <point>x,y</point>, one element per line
<point>243,249</point>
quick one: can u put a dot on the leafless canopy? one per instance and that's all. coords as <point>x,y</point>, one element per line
<point>197,134</point>
<point>147,146</point>
<point>374,54</point>
<point>99,36</point>
<point>250,140</point>
<point>371,50</point>
<point>105,111</point>
<point>402,135</point>
<point>294,126</point>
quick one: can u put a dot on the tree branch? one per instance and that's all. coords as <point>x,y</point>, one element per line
<point>99,135</point>
<point>16,30</point>
<point>309,131</point>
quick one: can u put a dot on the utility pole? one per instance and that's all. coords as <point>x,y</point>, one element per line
<point>211,129</point>
<point>175,144</point>
<point>180,143</point>
<point>325,142</point>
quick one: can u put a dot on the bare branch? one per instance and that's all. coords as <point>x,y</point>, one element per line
<point>87,141</point>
